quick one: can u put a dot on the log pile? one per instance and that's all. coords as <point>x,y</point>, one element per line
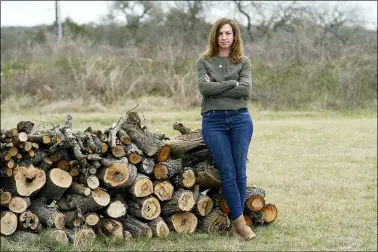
<point>121,183</point>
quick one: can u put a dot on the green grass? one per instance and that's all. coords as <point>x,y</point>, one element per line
<point>318,167</point>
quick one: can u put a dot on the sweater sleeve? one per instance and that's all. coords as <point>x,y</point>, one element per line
<point>245,83</point>
<point>211,88</point>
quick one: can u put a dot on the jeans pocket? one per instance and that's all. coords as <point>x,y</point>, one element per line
<point>242,111</point>
<point>208,115</point>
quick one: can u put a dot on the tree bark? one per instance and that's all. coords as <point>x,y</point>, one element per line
<point>58,181</point>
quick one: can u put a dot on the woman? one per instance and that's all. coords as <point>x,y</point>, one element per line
<point>224,80</point>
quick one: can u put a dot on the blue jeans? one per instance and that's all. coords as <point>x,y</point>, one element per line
<point>227,134</point>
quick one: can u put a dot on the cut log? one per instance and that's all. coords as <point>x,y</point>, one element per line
<point>146,166</point>
<point>207,176</point>
<point>164,149</point>
<point>146,208</point>
<point>73,218</point>
<point>269,213</point>
<point>91,219</point>
<point>91,181</point>
<point>215,221</point>
<point>63,164</point>
<point>145,144</point>
<point>57,235</point>
<point>9,132</point>
<point>255,199</point>
<point>136,227</point>
<point>183,222</point>
<point>204,205</point>
<point>116,209</point>
<point>84,237</point>
<point>191,158</point>
<point>29,221</point>
<point>97,200</point>
<point>41,139</point>
<point>115,176</point>
<point>182,200</point>
<point>123,137</point>
<point>29,180</point>
<point>186,179</point>
<point>48,216</point>
<point>19,204</point>
<point>111,228</point>
<point>133,153</point>
<point>77,188</point>
<point>163,190</point>
<point>141,187</point>
<point>223,206</point>
<point>5,197</point>
<point>8,223</point>
<point>58,181</point>
<point>159,227</point>
<point>127,235</point>
<point>20,236</point>
<point>45,164</point>
<point>190,143</point>
<point>25,146</point>
<point>168,169</point>
<point>118,151</point>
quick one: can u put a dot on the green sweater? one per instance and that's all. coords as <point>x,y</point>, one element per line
<point>221,93</point>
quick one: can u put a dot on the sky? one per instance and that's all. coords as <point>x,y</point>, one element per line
<point>30,13</point>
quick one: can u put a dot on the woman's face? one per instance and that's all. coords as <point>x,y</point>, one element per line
<point>225,37</point>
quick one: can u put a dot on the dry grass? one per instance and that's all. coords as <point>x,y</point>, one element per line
<point>319,168</point>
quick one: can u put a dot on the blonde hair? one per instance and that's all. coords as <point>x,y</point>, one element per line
<point>212,49</point>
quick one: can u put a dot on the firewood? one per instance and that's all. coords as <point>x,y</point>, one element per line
<point>5,197</point>
<point>11,164</point>
<point>203,205</point>
<point>97,200</point>
<point>84,237</point>
<point>91,218</point>
<point>48,216</point>
<point>187,143</point>
<point>182,222</point>
<point>78,189</point>
<point>58,181</point>
<point>91,181</point>
<point>141,187</point>
<point>19,204</point>
<point>29,221</point>
<point>45,164</point>
<point>191,158</point>
<point>215,221</point>
<point>146,166</point>
<point>168,169</point>
<point>182,200</point>
<point>73,218</point>
<point>28,180</point>
<point>115,176</point>
<point>41,139</point>
<point>116,208</point>
<point>9,132</point>
<point>207,176</point>
<point>25,146</point>
<point>111,227</point>
<point>146,208</point>
<point>136,227</point>
<point>270,213</point>
<point>159,227</point>
<point>123,137</point>
<point>57,235</point>
<point>163,190</point>
<point>133,153</point>
<point>255,199</point>
<point>186,179</point>
<point>8,223</point>
<point>144,143</point>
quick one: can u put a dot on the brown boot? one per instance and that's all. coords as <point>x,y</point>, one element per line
<point>242,229</point>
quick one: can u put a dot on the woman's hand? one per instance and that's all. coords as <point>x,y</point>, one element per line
<point>207,78</point>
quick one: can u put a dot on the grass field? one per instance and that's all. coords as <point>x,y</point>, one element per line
<point>318,168</point>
